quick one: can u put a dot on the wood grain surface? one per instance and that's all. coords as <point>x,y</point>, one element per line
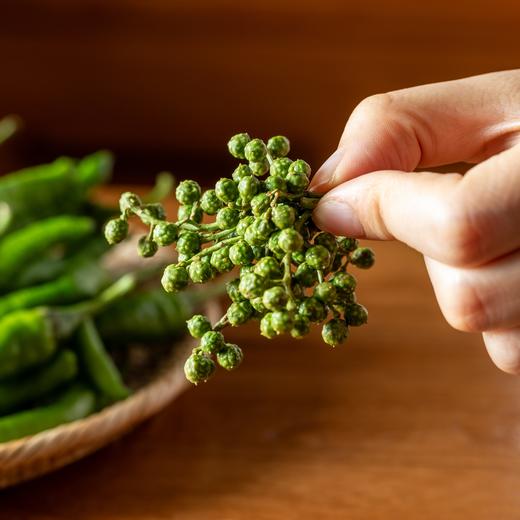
<point>409,420</point>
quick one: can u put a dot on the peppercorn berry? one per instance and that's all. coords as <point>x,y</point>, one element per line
<point>198,325</point>
<point>226,190</point>
<point>290,240</point>
<point>334,332</point>
<point>165,233</point>
<point>174,278</point>
<point>356,314</point>
<point>241,171</point>
<point>212,341</point>
<point>255,150</point>
<point>252,285</point>
<point>146,247</point>
<point>230,356</point>
<point>198,368</point>
<point>227,218</point>
<point>220,260</point>
<point>317,257</point>
<point>278,146</point>
<point>275,298</point>
<point>283,216</point>
<point>241,253</point>
<point>237,144</point>
<point>280,167</point>
<point>200,271</point>
<point>248,187</point>
<point>268,267</point>
<point>363,257</point>
<point>239,313</point>
<point>259,168</point>
<point>188,192</point>
<point>116,230</point>
<point>210,203</point>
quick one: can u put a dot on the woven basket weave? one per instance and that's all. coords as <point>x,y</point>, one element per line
<point>33,456</point>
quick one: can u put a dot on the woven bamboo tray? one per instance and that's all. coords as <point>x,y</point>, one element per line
<point>33,456</point>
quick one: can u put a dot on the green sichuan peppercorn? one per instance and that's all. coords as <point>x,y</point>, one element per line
<point>297,182</point>
<point>252,285</point>
<point>326,240</point>
<point>300,167</point>
<point>237,144</point>
<point>243,224</point>
<point>258,232</point>
<point>363,257</point>
<point>260,204</point>
<point>275,298</point>
<point>298,257</point>
<point>116,230</point>
<point>241,171</point>
<point>175,278</point>
<point>317,257</point>
<point>212,341</point>
<point>227,218</point>
<point>200,271</point>
<point>188,243</point>
<point>233,291</point>
<point>230,356</point>
<point>344,281</point>
<point>248,188</point>
<point>325,292</point>
<point>220,260</point>
<point>356,314</point>
<point>283,216</point>
<point>275,182</point>
<point>290,240</point>
<point>241,253</point>
<point>301,326</point>
<point>274,246</point>
<point>146,247</point>
<point>191,212</point>
<point>198,368</point>
<point>268,267</point>
<point>347,245</point>
<point>128,202</point>
<point>278,146</point>
<point>152,212</point>
<point>280,167</point>
<point>165,233</point>
<point>259,168</point>
<point>334,332</point>
<point>239,313</point>
<point>282,321</point>
<point>255,150</point>
<point>226,190</point>
<point>266,326</point>
<point>188,192</point>
<point>198,325</point>
<point>210,203</point>
<point>258,305</point>
<point>312,309</point>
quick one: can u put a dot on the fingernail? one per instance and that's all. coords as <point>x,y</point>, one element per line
<point>338,217</point>
<point>325,173</point>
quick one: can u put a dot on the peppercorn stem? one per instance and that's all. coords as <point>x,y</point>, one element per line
<point>286,280</point>
<point>320,275</point>
<point>222,323</point>
<point>209,250</point>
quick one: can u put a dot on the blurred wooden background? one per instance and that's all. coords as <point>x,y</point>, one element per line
<point>164,84</point>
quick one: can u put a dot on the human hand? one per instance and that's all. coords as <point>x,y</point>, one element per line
<point>467,226</point>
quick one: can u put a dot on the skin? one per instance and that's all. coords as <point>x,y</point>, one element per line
<point>466,226</point>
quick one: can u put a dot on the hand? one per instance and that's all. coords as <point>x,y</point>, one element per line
<point>467,226</point>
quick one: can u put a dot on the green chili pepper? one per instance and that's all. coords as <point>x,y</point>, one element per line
<point>30,337</point>
<point>50,189</point>
<point>100,369</point>
<point>72,404</point>
<point>22,246</point>
<point>54,263</point>
<point>17,392</point>
<point>151,315</point>
<point>83,282</point>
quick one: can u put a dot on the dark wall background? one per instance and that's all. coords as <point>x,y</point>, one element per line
<point>165,83</point>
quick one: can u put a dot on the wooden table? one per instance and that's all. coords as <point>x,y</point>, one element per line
<point>409,420</point>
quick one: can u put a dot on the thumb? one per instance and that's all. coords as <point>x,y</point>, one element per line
<point>414,208</point>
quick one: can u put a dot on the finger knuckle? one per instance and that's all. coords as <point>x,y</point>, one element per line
<point>461,237</point>
<point>374,107</point>
<point>466,309</point>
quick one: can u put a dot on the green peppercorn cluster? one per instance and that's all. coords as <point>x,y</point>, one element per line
<point>291,274</point>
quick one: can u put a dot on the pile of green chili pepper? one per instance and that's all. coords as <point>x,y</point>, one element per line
<point>60,305</point>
